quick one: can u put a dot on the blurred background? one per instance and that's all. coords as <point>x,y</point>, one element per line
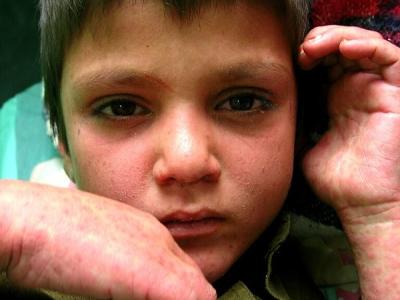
<point>19,46</point>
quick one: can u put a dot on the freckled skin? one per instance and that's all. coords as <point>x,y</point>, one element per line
<point>187,155</point>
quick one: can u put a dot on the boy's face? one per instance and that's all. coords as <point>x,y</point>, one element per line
<point>193,122</point>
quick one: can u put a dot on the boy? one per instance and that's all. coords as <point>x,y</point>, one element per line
<point>187,117</point>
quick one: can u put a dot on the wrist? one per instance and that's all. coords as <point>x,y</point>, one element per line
<point>356,217</point>
<point>374,234</point>
<point>376,249</point>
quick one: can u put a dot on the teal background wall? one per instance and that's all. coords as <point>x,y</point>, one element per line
<point>19,46</point>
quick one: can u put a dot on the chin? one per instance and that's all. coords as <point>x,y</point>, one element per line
<point>212,272</point>
<point>212,263</point>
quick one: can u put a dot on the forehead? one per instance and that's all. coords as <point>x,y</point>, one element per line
<point>145,36</point>
<point>116,18</point>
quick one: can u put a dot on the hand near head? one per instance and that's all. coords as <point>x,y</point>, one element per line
<point>355,166</point>
<point>79,243</point>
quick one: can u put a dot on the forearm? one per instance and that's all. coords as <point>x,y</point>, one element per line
<point>9,233</point>
<point>36,224</point>
<point>79,243</point>
<point>23,226</point>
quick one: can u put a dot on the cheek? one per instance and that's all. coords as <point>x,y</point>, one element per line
<point>261,171</point>
<point>118,170</point>
<point>258,173</point>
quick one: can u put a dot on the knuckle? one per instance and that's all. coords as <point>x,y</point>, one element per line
<point>377,35</point>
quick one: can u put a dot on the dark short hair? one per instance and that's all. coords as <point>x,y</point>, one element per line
<point>62,20</point>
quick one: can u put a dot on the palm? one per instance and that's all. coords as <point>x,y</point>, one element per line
<point>357,162</point>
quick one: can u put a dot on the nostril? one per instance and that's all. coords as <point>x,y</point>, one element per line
<point>162,176</point>
<point>208,178</point>
<point>212,177</point>
<point>166,181</point>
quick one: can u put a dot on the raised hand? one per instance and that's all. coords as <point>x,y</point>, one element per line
<point>355,167</point>
<point>79,243</point>
<point>356,164</point>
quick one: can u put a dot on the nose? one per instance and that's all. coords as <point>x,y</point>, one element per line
<point>185,154</point>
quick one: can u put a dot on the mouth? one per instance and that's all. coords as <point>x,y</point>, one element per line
<point>184,225</point>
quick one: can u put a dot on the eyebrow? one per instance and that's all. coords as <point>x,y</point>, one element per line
<point>115,78</point>
<point>125,77</point>
<point>253,70</point>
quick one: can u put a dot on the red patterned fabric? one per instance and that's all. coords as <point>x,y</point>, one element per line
<point>378,15</point>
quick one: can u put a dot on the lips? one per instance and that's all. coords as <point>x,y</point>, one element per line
<point>184,225</point>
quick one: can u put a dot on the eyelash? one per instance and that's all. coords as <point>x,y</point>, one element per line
<point>130,108</point>
<point>251,96</point>
<point>134,109</point>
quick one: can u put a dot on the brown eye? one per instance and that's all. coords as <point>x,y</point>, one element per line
<point>121,108</point>
<point>245,102</point>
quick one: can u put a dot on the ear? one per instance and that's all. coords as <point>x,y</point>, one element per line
<point>66,157</point>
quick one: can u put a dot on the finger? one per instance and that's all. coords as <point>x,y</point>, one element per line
<point>184,282</point>
<point>316,31</point>
<point>176,250</point>
<point>327,42</point>
<point>309,63</point>
<point>343,30</point>
<point>378,51</point>
<point>374,52</point>
<point>183,285</point>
